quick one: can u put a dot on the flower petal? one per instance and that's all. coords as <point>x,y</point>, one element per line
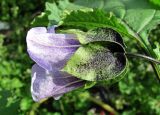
<point>50,50</point>
<point>52,83</point>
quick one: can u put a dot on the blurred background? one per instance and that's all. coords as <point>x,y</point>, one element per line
<point>136,94</point>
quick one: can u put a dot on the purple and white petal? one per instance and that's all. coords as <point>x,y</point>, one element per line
<point>52,83</point>
<point>50,50</point>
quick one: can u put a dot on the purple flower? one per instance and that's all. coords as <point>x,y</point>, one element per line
<point>51,51</point>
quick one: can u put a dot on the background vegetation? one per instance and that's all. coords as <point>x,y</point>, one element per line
<point>137,93</point>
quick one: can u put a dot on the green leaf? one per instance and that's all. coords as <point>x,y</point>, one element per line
<point>40,20</point>
<point>55,11</point>
<point>97,61</point>
<point>94,19</point>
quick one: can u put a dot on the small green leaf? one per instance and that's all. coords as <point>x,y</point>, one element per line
<point>41,20</point>
<point>55,11</point>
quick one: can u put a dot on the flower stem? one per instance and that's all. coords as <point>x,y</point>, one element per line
<point>143,56</point>
<point>104,105</point>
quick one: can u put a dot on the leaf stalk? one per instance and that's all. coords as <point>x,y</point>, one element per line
<point>143,56</point>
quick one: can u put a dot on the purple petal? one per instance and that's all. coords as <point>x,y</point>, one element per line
<point>50,50</point>
<point>52,83</point>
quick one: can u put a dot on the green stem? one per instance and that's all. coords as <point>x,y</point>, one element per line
<point>104,105</point>
<point>144,57</point>
<point>153,61</point>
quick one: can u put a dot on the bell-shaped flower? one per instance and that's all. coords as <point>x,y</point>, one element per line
<point>51,51</point>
